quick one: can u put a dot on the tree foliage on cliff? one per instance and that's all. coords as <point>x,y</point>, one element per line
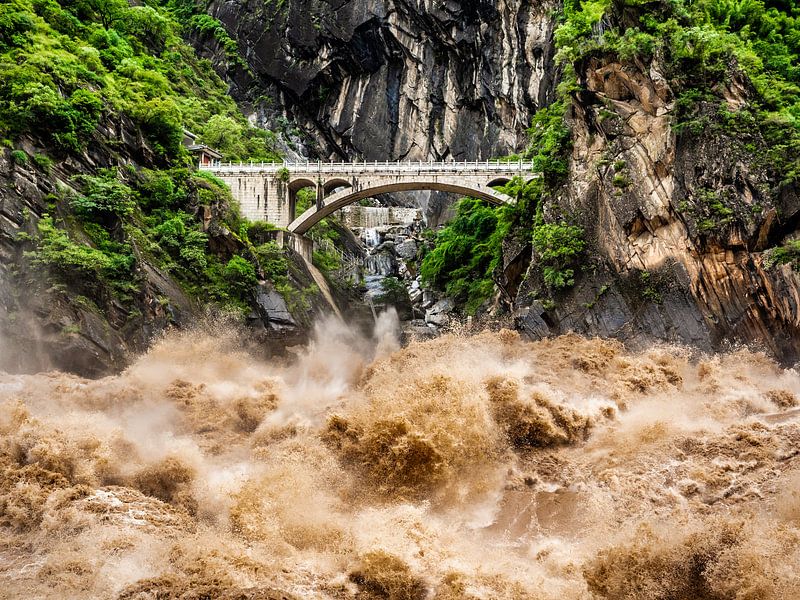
<point>700,44</point>
<point>65,65</point>
<point>469,249</point>
<point>74,73</point>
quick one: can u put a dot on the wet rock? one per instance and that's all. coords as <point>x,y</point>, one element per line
<point>419,330</point>
<point>428,299</point>
<point>381,263</point>
<point>439,313</point>
<point>272,308</point>
<point>529,319</point>
<point>406,250</point>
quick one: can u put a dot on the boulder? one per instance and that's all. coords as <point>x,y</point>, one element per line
<point>406,250</point>
<point>272,308</point>
<point>439,313</point>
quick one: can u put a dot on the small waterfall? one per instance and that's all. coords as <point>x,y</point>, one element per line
<point>371,237</point>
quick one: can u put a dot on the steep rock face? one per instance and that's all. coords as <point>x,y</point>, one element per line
<point>397,79</point>
<point>45,323</point>
<point>677,225</point>
<point>393,79</point>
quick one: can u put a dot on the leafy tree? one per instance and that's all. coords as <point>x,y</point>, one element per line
<point>158,189</point>
<point>14,27</point>
<point>193,251</point>
<point>469,249</point>
<point>557,246</point>
<point>104,198</point>
<point>146,25</point>
<point>161,119</point>
<point>225,134</point>
<point>240,276</point>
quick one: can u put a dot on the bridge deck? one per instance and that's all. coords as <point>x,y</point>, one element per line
<point>375,167</point>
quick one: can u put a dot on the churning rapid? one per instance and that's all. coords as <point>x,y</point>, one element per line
<point>478,466</point>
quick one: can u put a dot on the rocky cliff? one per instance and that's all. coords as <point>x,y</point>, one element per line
<point>62,315</point>
<point>46,322</point>
<point>678,225</point>
<point>394,79</point>
<point>108,235</point>
<point>680,222</point>
<point>682,173</point>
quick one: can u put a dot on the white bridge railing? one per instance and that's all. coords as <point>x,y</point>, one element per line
<point>376,167</point>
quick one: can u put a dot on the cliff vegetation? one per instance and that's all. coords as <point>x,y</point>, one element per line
<point>106,216</point>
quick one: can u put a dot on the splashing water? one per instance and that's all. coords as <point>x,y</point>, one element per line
<point>463,467</point>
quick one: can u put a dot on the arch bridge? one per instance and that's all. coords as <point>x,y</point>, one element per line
<point>268,191</point>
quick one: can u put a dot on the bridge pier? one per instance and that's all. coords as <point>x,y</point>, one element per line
<point>300,244</point>
<point>320,195</point>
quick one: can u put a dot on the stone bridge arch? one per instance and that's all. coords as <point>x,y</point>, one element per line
<point>357,191</point>
<point>265,193</point>
<point>335,183</point>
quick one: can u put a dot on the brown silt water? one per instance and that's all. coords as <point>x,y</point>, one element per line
<point>469,466</point>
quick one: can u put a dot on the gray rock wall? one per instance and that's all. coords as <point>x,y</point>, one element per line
<point>393,79</point>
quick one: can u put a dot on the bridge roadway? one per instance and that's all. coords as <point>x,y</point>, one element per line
<point>268,191</point>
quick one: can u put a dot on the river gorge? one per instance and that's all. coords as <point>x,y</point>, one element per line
<point>541,343</point>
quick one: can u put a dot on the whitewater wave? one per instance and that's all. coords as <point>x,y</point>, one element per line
<point>479,466</point>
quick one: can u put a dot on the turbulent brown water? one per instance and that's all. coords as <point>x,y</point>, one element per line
<point>476,466</point>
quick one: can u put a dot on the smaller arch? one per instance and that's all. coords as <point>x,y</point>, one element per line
<point>333,184</point>
<point>300,183</point>
<point>498,181</point>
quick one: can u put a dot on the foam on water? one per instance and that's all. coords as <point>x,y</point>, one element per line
<point>476,466</point>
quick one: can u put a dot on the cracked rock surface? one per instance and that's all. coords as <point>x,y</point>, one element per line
<point>393,79</point>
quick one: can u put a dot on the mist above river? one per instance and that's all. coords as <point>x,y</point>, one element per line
<point>480,466</point>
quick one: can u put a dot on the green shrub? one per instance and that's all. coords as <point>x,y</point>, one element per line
<point>19,157</point>
<point>240,276</point>
<point>104,197</point>
<point>393,291</point>
<point>549,143</point>
<point>43,162</point>
<point>621,180</point>
<point>469,249</point>
<point>193,251</point>
<point>162,121</point>
<point>170,234</point>
<point>326,261</point>
<point>158,189</point>
<point>647,288</point>
<point>272,260</point>
<point>557,246</point>
<point>260,232</point>
<point>789,253</point>
<point>79,262</point>
<point>305,199</point>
